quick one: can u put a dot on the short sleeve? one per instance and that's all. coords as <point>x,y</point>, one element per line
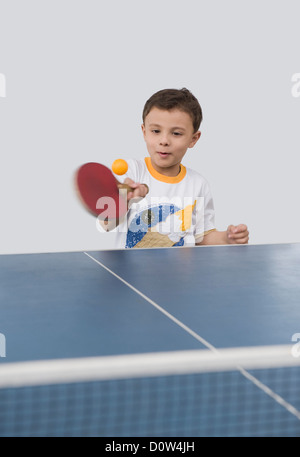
<point>205,213</point>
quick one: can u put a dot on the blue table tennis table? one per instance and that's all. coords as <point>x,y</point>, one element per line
<point>169,342</point>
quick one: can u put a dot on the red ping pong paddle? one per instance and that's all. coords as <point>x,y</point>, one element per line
<point>100,192</point>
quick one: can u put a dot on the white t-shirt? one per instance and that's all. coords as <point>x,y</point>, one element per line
<point>177,211</point>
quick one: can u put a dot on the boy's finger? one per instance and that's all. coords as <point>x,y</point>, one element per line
<point>239,235</point>
<point>146,188</point>
<point>242,240</point>
<point>240,228</point>
<point>130,183</point>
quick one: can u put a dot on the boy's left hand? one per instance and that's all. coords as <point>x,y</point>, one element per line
<point>237,234</point>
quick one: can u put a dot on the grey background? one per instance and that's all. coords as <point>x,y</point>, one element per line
<point>78,73</point>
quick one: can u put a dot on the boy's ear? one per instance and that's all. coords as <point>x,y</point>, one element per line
<point>195,138</point>
<point>143,129</point>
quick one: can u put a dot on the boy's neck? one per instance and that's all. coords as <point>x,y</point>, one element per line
<point>167,171</point>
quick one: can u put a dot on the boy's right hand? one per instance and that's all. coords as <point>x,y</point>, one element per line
<point>140,190</point>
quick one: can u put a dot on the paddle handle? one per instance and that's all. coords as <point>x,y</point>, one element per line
<point>128,188</point>
<point>125,186</point>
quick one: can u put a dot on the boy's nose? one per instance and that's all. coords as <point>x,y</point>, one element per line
<point>164,141</point>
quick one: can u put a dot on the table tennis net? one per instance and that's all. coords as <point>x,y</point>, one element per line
<point>241,392</point>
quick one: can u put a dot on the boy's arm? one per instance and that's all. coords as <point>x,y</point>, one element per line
<point>140,191</point>
<point>235,234</point>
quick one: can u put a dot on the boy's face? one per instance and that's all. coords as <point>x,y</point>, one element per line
<point>168,135</point>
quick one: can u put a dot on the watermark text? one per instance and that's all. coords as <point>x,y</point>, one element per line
<point>296,347</point>
<point>296,85</point>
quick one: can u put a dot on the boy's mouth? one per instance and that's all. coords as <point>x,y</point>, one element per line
<point>163,154</point>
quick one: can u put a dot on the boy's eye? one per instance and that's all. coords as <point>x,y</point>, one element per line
<point>158,131</point>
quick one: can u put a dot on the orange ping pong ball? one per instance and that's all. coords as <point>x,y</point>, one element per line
<point>119,167</point>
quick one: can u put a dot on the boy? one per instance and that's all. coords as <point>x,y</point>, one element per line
<point>173,206</point>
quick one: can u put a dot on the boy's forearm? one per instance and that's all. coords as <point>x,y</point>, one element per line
<point>213,238</point>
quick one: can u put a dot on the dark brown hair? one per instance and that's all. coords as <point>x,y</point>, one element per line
<point>181,99</point>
